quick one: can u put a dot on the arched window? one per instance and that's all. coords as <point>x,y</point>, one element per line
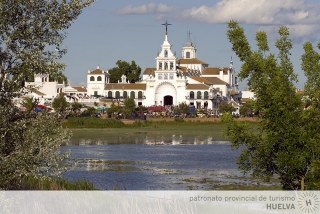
<point>188,55</point>
<point>109,94</point>
<point>92,78</point>
<point>99,78</point>
<point>199,95</point>
<point>132,94</point>
<point>165,66</point>
<point>125,95</point>
<point>140,95</point>
<point>160,65</point>
<point>191,95</point>
<point>165,53</point>
<point>117,95</point>
<point>206,95</point>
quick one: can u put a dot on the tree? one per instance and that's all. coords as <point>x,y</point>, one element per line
<point>311,117</point>
<point>226,107</point>
<point>76,107</point>
<point>29,104</point>
<point>129,106</point>
<point>280,146</point>
<point>60,104</point>
<point>31,34</point>
<point>182,108</point>
<point>114,109</point>
<point>132,71</point>
<point>248,109</point>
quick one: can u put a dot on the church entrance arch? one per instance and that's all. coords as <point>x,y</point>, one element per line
<point>166,94</point>
<point>168,100</point>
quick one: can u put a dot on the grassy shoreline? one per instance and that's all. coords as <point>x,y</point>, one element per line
<point>208,127</point>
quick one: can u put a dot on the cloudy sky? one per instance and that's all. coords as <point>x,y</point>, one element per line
<point>131,30</point>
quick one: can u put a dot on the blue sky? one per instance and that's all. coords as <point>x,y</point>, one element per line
<point>131,30</point>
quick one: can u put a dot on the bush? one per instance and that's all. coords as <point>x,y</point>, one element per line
<point>226,117</point>
<point>29,145</point>
<point>49,183</point>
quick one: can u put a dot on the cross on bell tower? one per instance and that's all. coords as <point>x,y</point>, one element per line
<point>166,24</point>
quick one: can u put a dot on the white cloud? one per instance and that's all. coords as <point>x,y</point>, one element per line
<point>145,9</point>
<point>300,16</point>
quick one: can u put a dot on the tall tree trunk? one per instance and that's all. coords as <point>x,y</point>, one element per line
<point>302,183</point>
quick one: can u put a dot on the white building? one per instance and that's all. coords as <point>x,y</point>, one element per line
<point>43,89</point>
<point>96,81</point>
<point>172,81</point>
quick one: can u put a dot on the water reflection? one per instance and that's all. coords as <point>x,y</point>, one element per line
<point>151,140</point>
<point>153,162</point>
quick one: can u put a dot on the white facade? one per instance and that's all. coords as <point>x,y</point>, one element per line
<point>248,95</point>
<point>48,89</point>
<point>96,81</point>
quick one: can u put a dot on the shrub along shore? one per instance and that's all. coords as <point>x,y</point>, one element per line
<point>96,128</point>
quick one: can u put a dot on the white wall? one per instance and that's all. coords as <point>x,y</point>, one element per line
<point>248,94</point>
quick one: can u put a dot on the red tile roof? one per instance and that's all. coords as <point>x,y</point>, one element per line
<point>149,71</point>
<point>197,87</point>
<point>125,86</point>
<point>191,61</point>
<point>96,71</point>
<point>214,71</point>
<point>210,80</point>
<point>80,88</point>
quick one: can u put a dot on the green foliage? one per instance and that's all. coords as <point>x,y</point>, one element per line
<point>129,106</point>
<point>182,108</point>
<point>285,144</point>
<point>31,36</point>
<point>29,145</point>
<point>129,103</point>
<point>59,77</point>
<point>132,71</point>
<point>90,111</point>
<point>248,109</point>
<point>313,180</point>
<point>311,67</point>
<point>89,122</point>
<point>50,183</point>
<point>29,104</point>
<point>226,117</point>
<point>114,109</point>
<point>226,107</point>
<point>76,107</point>
<point>311,117</point>
<point>60,104</point>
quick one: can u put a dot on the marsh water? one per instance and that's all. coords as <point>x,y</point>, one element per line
<point>154,162</point>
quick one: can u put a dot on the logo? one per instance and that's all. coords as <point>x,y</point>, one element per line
<point>308,202</point>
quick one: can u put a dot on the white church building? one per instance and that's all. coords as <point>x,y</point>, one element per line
<point>171,81</point>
